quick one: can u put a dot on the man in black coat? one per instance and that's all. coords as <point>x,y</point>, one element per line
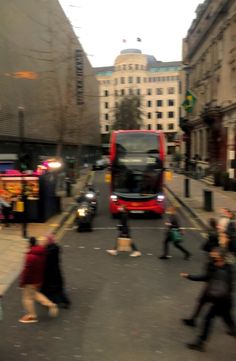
<point>219,287</point>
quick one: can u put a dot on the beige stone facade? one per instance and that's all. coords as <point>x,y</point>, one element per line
<point>156,82</point>
<point>209,55</point>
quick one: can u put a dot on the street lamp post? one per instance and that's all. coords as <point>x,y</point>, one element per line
<point>21,122</point>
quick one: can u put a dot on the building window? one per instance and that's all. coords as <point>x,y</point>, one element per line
<point>171,90</point>
<point>149,115</point>
<point>122,80</point>
<point>122,92</point>
<point>106,116</point>
<point>171,126</point>
<point>106,105</point>
<point>124,67</point>
<point>136,67</point>
<point>159,103</point>
<point>149,91</point>
<point>149,127</point>
<point>116,93</point>
<point>159,91</point>
<point>159,115</point>
<point>171,102</point>
<point>106,93</point>
<point>130,79</point>
<point>171,114</point>
<point>159,126</point>
<point>130,91</point>
<point>138,92</point>
<point>138,80</point>
<point>149,103</point>
<point>106,128</point>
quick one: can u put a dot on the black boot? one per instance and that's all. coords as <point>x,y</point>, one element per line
<point>189,322</point>
<point>197,346</point>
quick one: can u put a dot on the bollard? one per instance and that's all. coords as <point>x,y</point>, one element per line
<point>208,203</point>
<point>68,187</point>
<point>186,187</point>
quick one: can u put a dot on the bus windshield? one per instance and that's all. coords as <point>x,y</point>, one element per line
<point>136,143</point>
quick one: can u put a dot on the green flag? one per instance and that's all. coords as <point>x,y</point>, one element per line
<point>189,102</point>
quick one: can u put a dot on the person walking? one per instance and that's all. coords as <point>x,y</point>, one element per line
<point>124,231</point>
<point>6,208</point>
<point>223,220</point>
<point>212,236</point>
<point>173,234</point>
<point>202,300</point>
<point>231,232</point>
<point>53,282</point>
<point>219,290</point>
<point>30,281</point>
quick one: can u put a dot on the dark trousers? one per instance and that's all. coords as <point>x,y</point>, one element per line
<point>6,211</point>
<point>125,232</point>
<point>220,308</point>
<point>203,299</point>
<point>176,244</point>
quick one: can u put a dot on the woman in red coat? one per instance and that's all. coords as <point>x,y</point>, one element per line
<point>31,280</point>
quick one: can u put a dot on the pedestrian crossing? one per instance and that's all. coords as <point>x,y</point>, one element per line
<point>133,228</point>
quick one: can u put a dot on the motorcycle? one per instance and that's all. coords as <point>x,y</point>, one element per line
<point>84,217</point>
<point>91,196</point>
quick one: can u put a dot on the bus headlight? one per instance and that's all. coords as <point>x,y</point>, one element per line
<point>114,198</point>
<point>160,197</point>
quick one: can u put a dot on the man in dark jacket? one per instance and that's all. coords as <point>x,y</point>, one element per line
<point>30,281</point>
<point>219,279</point>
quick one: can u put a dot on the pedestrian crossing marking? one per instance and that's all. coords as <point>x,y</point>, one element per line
<point>144,227</point>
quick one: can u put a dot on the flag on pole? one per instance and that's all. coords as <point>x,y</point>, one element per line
<point>189,102</point>
<point>139,39</point>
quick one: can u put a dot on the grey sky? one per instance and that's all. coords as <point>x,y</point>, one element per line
<point>102,25</point>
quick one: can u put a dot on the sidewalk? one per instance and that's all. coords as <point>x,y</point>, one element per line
<point>195,203</point>
<point>13,246</point>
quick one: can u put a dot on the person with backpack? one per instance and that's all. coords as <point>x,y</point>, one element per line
<point>173,234</point>
<point>219,288</point>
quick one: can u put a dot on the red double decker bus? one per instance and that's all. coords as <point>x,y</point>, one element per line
<point>137,171</point>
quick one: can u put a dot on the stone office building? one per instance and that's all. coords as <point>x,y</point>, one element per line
<point>48,91</point>
<point>209,55</point>
<point>155,81</point>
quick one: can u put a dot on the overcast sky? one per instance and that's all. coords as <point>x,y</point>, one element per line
<point>102,25</point>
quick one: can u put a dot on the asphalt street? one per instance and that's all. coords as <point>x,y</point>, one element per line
<point>123,308</point>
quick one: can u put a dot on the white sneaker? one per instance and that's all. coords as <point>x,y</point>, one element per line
<point>112,252</point>
<point>135,254</point>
